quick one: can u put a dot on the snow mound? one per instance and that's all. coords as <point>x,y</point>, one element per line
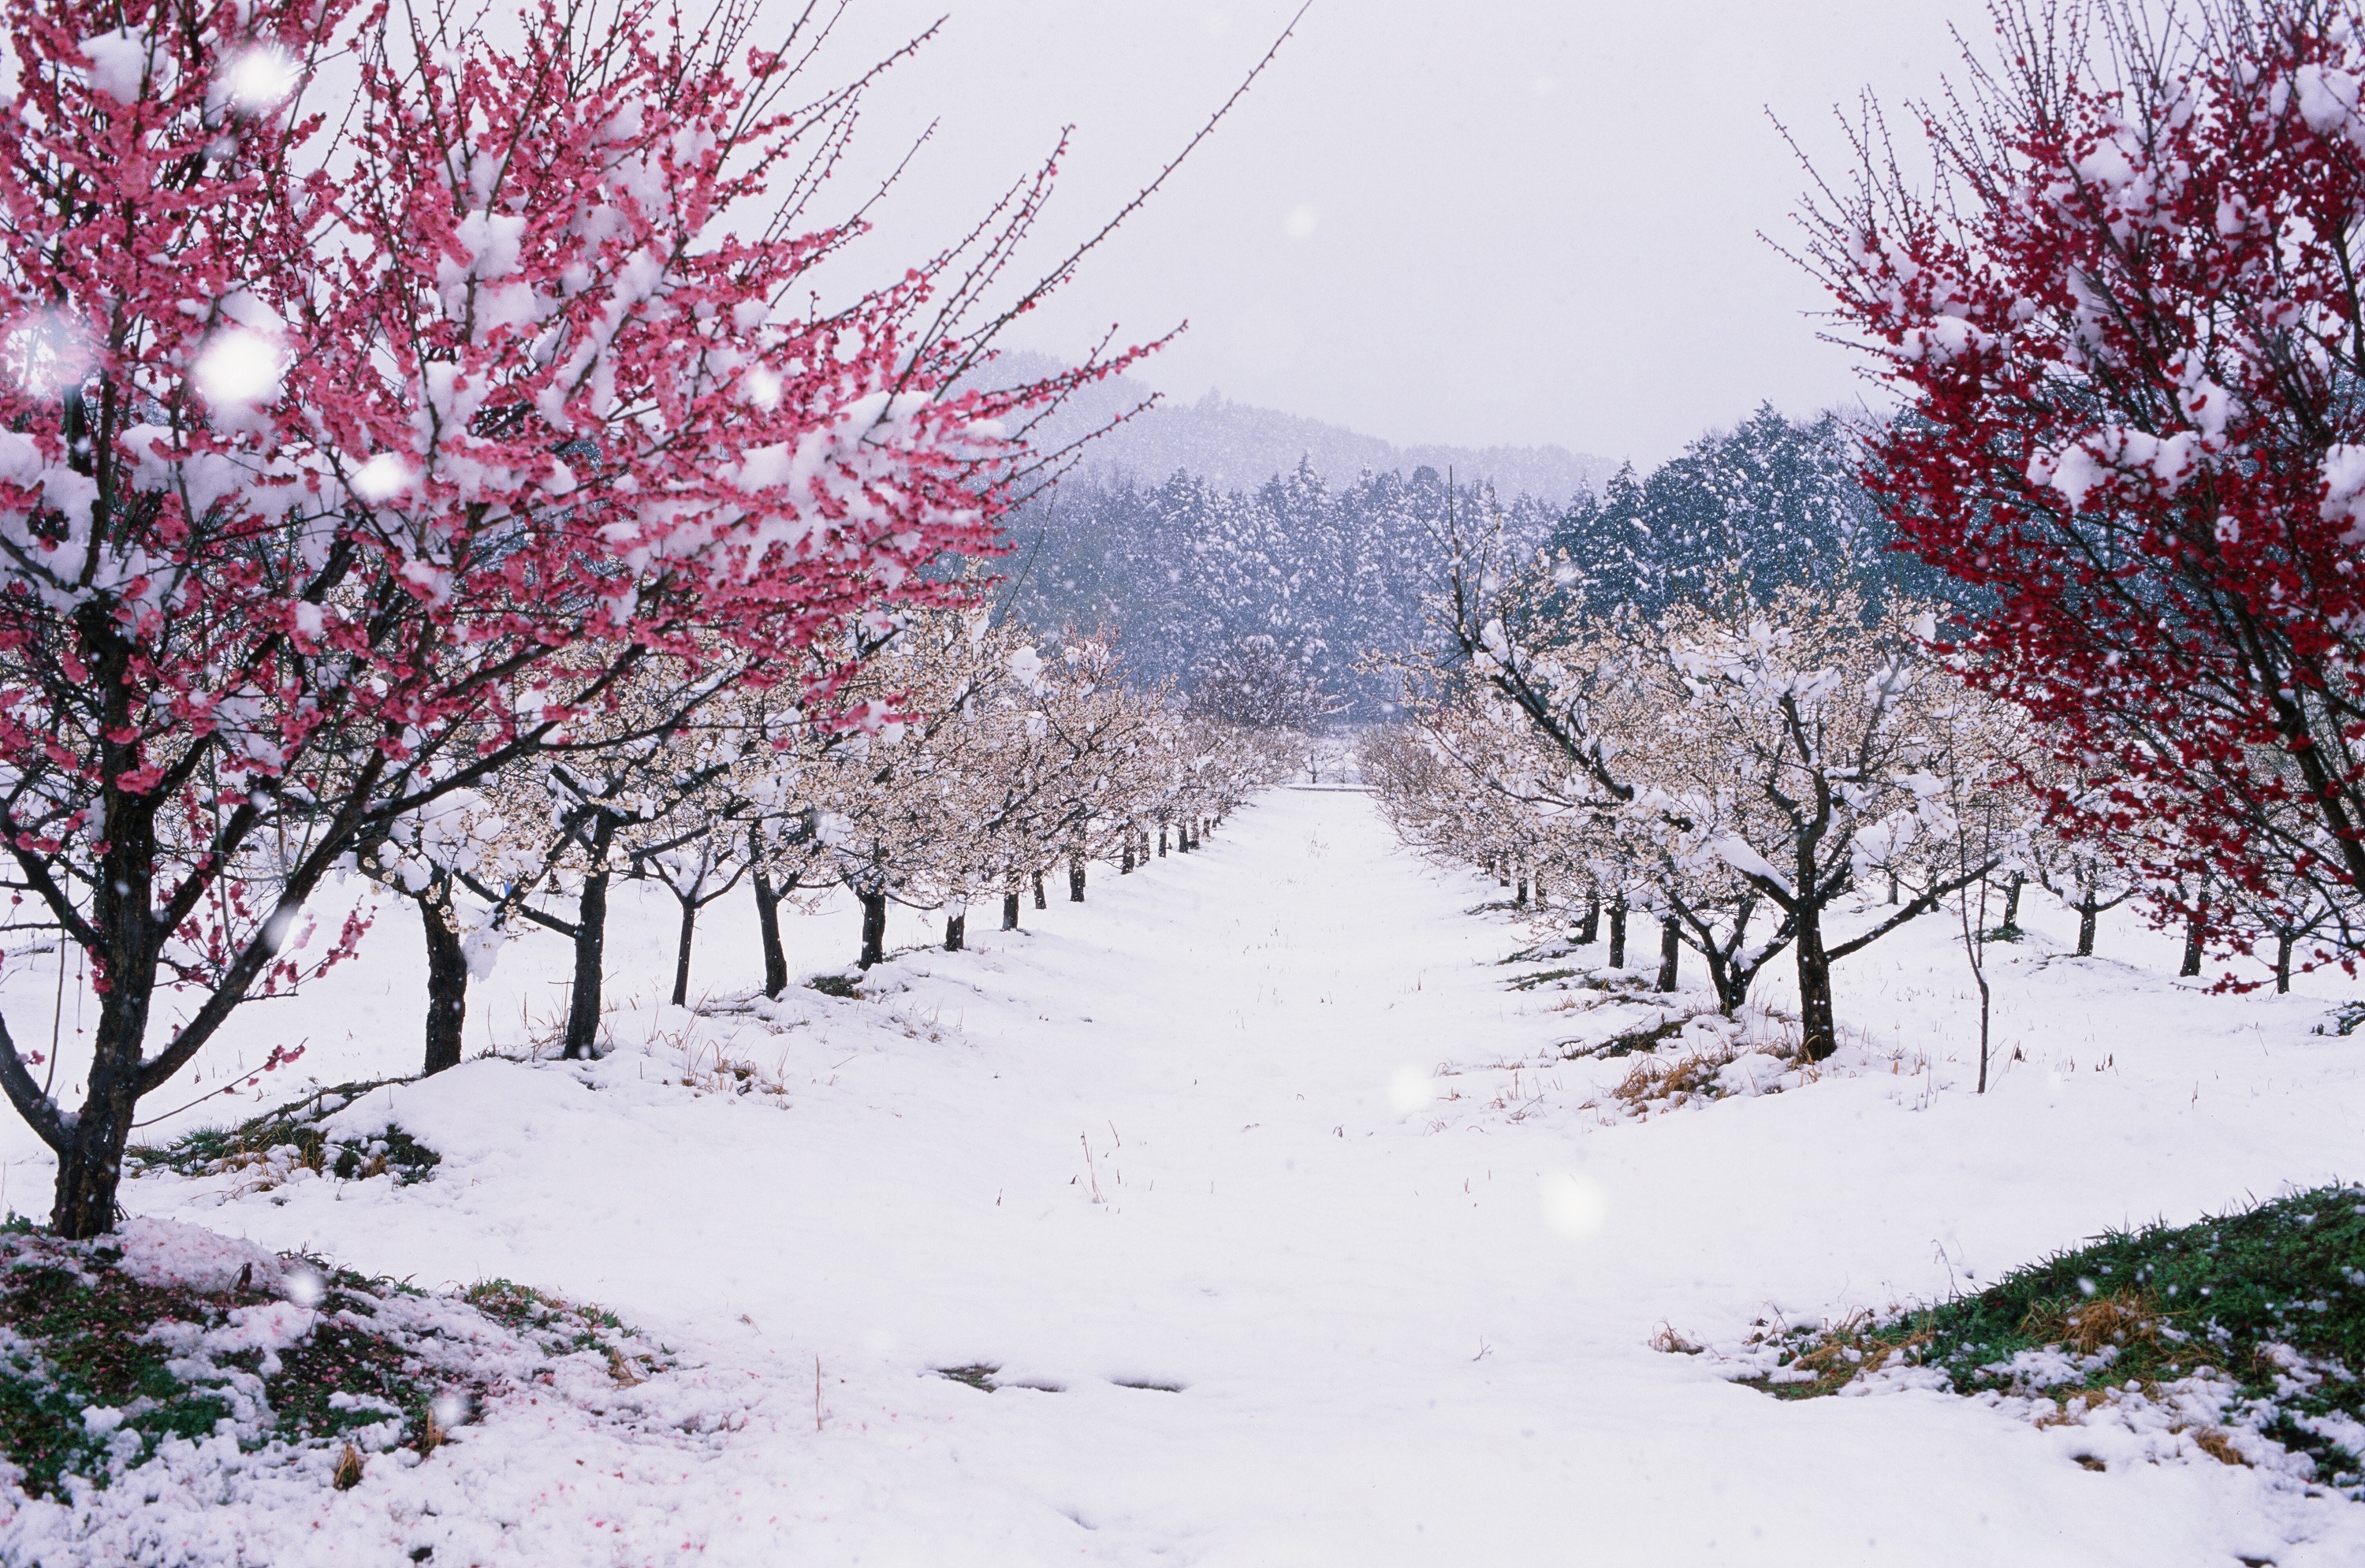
<point>172,1256</point>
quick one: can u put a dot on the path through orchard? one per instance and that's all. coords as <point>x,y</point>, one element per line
<point>1182,1165</point>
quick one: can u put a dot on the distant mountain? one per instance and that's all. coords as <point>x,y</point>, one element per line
<point>1236,446</point>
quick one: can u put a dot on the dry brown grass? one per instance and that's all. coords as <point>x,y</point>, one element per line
<point>2071,1407</point>
<point>2125,1317</point>
<point>1691,1076</point>
<point>2213,1441</point>
<point>348,1473</point>
<point>1668,1343</point>
<point>1853,1347</point>
<point>262,1173</point>
<point>2068,1406</point>
<point>705,1065</point>
<point>1836,1354</point>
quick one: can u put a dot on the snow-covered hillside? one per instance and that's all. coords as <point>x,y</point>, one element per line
<point>1278,1223</point>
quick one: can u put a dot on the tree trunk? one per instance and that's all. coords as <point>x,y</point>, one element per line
<point>1125,862</point>
<point>682,954</point>
<point>590,946</point>
<point>2011,901</point>
<point>1075,876</point>
<point>1010,900</point>
<point>1892,887</point>
<point>1519,899</point>
<point>1670,951</point>
<point>956,931</point>
<point>1979,973</point>
<point>2088,911</point>
<point>874,928</point>
<point>1819,1030</point>
<point>1162,841</point>
<point>2283,940</point>
<point>1589,930</point>
<point>1617,934</point>
<point>768,922</point>
<point>90,1162</point>
<point>1039,901</point>
<point>1731,985</point>
<point>447,976</point>
<point>2195,929</point>
<point>91,1166</point>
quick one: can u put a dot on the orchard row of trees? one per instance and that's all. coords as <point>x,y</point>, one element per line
<point>2124,313</point>
<point>992,766</point>
<point>1789,774</point>
<point>460,450</point>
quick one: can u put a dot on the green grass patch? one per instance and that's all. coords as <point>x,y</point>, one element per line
<point>2344,1020</point>
<point>1498,906</point>
<point>99,1370</point>
<point>1545,952</point>
<point>1579,979</point>
<point>560,1326</point>
<point>2271,1298</point>
<point>1646,1039</point>
<point>80,1335</point>
<point>277,1142</point>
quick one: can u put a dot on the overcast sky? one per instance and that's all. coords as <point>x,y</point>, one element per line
<point>1493,221</point>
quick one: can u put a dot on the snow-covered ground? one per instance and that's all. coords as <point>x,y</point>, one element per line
<point>1247,1177</point>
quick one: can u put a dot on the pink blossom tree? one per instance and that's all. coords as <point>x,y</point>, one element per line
<point>351,452</point>
<point>2125,315</point>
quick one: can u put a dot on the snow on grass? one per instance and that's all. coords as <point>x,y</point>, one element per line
<point>2236,1340</point>
<point>1269,1225</point>
<point>171,1394</point>
<point>291,1143</point>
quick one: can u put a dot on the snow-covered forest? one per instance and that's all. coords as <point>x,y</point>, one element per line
<point>1327,578</point>
<point>664,908</point>
<point>1294,574</point>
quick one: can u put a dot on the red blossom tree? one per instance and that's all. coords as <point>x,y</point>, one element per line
<point>2125,322</point>
<point>351,454</point>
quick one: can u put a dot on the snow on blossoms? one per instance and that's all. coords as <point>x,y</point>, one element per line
<point>342,476</point>
<point>2128,359</point>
